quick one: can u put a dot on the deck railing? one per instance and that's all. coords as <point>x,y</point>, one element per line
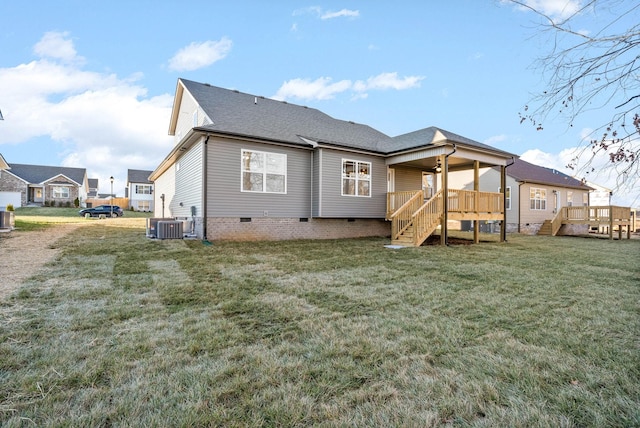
<point>469,201</point>
<point>395,200</point>
<point>596,214</point>
<point>402,217</point>
<point>427,218</point>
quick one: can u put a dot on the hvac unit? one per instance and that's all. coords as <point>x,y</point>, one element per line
<point>169,230</point>
<point>152,226</point>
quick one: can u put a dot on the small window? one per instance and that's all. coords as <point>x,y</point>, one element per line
<point>356,178</point>
<point>143,189</point>
<point>569,198</point>
<point>264,172</point>
<point>538,198</point>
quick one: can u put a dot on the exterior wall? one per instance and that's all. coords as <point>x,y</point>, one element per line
<point>531,220</point>
<point>274,229</point>
<point>186,119</point>
<point>134,197</point>
<point>331,202</point>
<point>407,178</point>
<point>188,183</point>
<point>10,183</point>
<point>225,197</point>
<point>164,185</point>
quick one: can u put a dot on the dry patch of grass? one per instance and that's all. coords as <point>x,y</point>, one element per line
<point>122,330</point>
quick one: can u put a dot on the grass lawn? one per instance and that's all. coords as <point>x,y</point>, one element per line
<point>34,218</point>
<point>127,331</point>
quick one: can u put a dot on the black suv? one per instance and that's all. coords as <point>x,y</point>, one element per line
<point>102,209</point>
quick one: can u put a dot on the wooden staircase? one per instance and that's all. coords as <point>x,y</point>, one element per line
<point>415,221</point>
<point>546,229</point>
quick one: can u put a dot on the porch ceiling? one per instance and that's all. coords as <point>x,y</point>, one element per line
<point>462,159</point>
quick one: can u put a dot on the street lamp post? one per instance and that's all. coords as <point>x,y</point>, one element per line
<point>111,205</point>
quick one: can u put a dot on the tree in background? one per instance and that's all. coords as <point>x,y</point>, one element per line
<point>598,69</point>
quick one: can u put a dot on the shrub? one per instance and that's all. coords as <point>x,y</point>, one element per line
<point>67,204</point>
<point>76,202</point>
<point>10,207</point>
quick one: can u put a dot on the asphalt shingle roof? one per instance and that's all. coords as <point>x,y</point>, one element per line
<point>39,173</point>
<point>525,171</point>
<point>138,176</point>
<point>238,113</point>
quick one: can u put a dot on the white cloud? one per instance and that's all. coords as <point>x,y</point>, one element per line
<point>320,89</point>
<point>105,123</point>
<point>199,55</point>
<point>340,14</point>
<point>57,45</point>
<point>553,8</point>
<point>323,88</point>
<point>327,14</point>
<point>388,81</point>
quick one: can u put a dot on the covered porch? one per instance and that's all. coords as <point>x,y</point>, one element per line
<point>419,200</point>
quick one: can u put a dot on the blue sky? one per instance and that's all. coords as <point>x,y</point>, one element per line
<point>91,84</point>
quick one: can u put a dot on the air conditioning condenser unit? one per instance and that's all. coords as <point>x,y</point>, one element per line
<point>169,230</point>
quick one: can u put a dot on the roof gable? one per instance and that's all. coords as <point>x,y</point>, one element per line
<point>3,163</point>
<point>39,174</point>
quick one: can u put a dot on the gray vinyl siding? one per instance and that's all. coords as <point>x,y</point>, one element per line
<point>225,197</point>
<point>315,188</point>
<point>188,183</point>
<point>164,185</point>
<point>333,204</point>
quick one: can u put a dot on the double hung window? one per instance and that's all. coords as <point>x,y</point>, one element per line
<point>538,198</point>
<point>264,172</point>
<point>356,178</point>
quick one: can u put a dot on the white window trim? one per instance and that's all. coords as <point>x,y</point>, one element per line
<point>342,177</point>
<point>508,198</point>
<point>542,199</point>
<point>58,186</point>
<point>143,186</point>
<point>264,173</point>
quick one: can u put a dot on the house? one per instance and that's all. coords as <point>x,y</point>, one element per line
<point>39,185</point>
<point>245,167</point>
<point>93,188</point>
<point>5,197</point>
<point>534,194</point>
<point>139,190</point>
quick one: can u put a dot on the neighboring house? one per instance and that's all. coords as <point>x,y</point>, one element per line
<point>534,193</point>
<point>600,196</point>
<point>5,197</point>
<point>93,188</point>
<point>37,184</point>
<point>139,190</point>
<point>245,167</point>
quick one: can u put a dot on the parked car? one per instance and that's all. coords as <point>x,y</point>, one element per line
<point>102,210</point>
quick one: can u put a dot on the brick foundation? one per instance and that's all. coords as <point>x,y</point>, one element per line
<point>275,229</point>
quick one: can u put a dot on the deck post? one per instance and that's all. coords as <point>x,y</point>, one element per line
<point>503,189</point>
<point>445,199</point>
<point>611,222</point>
<point>476,188</point>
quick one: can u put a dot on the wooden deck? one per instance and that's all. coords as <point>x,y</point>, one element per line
<point>414,219</point>
<point>594,216</point>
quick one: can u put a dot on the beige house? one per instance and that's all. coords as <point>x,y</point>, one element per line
<point>535,194</point>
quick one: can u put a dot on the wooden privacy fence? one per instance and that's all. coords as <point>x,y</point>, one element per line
<point>121,202</point>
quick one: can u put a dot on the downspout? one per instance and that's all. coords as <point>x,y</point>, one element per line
<point>503,186</point>
<point>445,194</point>
<point>204,189</point>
